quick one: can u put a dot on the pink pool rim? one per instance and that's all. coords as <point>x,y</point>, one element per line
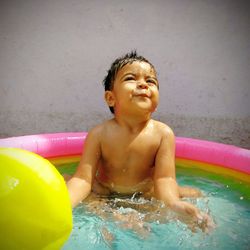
<point>71,144</point>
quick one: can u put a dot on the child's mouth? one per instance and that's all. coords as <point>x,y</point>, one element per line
<point>142,94</point>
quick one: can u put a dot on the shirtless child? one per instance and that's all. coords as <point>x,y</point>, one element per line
<point>131,152</point>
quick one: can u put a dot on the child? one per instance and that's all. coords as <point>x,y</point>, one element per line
<point>132,153</point>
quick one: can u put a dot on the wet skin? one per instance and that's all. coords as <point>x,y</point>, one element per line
<point>131,152</point>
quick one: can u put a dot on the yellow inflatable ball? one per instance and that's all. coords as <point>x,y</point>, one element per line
<point>35,210</point>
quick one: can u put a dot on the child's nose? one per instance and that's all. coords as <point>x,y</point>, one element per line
<point>142,85</point>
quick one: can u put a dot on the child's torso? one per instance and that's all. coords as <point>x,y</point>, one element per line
<point>127,158</point>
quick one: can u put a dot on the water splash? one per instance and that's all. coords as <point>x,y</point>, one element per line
<point>137,223</point>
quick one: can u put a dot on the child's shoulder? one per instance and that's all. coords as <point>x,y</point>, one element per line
<point>100,128</point>
<point>163,128</point>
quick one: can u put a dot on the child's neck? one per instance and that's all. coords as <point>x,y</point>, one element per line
<point>133,123</point>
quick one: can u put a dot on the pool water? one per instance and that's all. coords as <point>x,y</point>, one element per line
<point>136,223</point>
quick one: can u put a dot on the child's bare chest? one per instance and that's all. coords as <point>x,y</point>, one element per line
<point>137,152</point>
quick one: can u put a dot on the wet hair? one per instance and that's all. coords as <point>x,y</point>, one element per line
<point>119,63</point>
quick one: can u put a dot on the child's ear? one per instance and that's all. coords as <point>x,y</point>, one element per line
<point>109,97</point>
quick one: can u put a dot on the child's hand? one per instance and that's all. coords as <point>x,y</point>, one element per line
<point>205,222</point>
<point>194,218</point>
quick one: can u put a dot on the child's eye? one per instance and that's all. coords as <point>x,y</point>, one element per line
<point>129,78</point>
<point>152,81</point>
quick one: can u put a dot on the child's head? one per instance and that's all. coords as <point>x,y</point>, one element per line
<point>118,64</point>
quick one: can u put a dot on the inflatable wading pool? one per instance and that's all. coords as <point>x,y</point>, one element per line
<point>34,203</point>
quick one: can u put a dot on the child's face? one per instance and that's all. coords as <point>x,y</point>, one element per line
<point>135,89</point>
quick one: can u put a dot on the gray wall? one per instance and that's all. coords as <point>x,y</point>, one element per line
<point>54,55</point>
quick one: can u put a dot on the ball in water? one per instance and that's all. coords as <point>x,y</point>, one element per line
<point>35,210</point>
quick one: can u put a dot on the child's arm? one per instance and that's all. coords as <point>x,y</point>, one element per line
<point>79,186</point>
<point>165,186</point>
